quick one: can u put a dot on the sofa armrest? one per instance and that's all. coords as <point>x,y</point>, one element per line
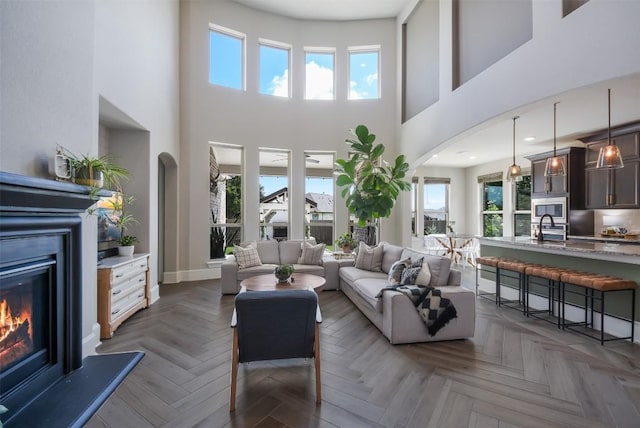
<point>455,277</point>
<point>229,276</point>
<point>331,273</point>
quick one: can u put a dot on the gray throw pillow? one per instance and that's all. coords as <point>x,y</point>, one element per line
<point>247,256</point>
<point>369,258</point>
<point>311,254</point>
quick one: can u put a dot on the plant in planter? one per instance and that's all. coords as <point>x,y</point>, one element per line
<point>127,245</point>
<point>96,171</point>
<point>346,242</point>
<point>283,272</point>
<point>372,185</point>
<point>123,220</point>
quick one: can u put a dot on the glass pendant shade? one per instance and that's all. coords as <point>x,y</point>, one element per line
<point>609,156</point>
<point>515,172</point>
<point>555,165</point>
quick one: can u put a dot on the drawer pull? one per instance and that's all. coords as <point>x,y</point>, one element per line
<point>115,293</point>
<point>115,312</point>
<point>120,275</point>
<point>141,280</point>
<point>143,265</point>
<point>140,295</point>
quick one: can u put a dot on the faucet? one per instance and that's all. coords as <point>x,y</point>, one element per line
<point>553,223</point>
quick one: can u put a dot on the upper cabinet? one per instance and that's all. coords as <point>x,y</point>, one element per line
<point>614,188</point>
<point>571,185</point>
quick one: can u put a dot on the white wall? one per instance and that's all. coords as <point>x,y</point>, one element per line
<point>212,113</point>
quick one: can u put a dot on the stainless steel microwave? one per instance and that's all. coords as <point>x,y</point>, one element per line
<point>556,207</point>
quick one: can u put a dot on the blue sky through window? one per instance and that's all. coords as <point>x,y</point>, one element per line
<point>434,197</point>
<point>363,75</point>
<point>274,71</point>
<point>225,60</point>
<point>319,76</point>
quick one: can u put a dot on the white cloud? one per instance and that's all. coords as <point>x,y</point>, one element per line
<point>353,93</point>
<point>372,79</point>
<point>319,82</point>
<point>280,85</point>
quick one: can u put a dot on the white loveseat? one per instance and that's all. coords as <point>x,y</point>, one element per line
<point>273,253</point>
<point>396,317</point>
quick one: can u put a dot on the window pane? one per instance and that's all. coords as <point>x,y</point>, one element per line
<point>274,71</point>
<point>414,195</point>
<point>435,196</point>
<point>319,206</point>
<point>435,223</point>
<point>492,196</point>
<point>523,194</point>
<point>319,76</point>
<point>363,75</point>
<point>225,60</point>
<point>522,224</point>
<point>491,225</point>
<point>274,194</point>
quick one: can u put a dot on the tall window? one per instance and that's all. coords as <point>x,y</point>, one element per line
<point>436,205</point>
<point>319,218</point>
<point>274,69</point>
<point>319,74</point>
<point>522,206</point>
<point>274,194</point>
<point>364,72</point>
<point>226,57</point>
<point>491,188</point>
<point>414,202</point>
<point>225,198</point>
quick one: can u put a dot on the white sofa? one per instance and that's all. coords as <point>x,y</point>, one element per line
<point>397,317</point>
<point>273,253</point>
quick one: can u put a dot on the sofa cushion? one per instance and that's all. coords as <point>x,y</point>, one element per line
<point>410,273</point>
<point>369,288</point>
<point>256,270</point>
<point>312,269</point>
<point>424,276</point>
<point>369,258</point>
<point>395,272</point>
<point>438,266</point>
<point>247,256</point>
<point>390,255</point>
<point>351,274</point>
<point>290,251</point>
<point>311,254</point>
<point>267,250</point>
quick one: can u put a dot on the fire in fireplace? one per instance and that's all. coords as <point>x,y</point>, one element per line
<point>16,334</point>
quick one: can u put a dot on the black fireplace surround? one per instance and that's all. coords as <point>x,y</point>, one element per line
<point>44,381</point>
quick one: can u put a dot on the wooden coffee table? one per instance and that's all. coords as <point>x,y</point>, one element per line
<point>268,282</point>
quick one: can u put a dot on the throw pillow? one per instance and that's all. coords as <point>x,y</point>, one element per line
<point>424,276</point>
<point>369,258</point>
<point>311,254</point>
<point>396,269</point>
<point>410,274</point>
<point>247,256</point>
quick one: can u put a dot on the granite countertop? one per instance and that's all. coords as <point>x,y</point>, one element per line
<point>614,251</point>
<point>606,239</point>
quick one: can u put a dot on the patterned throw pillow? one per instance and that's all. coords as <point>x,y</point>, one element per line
<point>369,258</point>
<point>247,256</point>
<point>410,274</point>
<point>311,254</point>
<point>396,269</point>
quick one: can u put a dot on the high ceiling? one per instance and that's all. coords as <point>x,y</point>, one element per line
<point>333,10</point>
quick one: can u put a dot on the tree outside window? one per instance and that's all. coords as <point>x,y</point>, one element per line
<point>492,220</point>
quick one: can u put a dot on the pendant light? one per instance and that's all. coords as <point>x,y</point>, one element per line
<point>555,165</point>
<point>609,156</point>
<point>515,172</point>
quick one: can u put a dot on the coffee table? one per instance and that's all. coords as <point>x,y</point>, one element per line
<point>268,282</point>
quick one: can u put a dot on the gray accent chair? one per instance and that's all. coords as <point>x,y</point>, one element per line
<point>272,325</point>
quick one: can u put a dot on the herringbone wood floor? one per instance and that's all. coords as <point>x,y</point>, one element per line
<point>514,372</point>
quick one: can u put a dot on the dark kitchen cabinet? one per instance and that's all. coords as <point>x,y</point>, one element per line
<point>571,185</point>
<point>614,188</point>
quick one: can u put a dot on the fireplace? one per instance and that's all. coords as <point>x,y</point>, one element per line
<point>41,308</point>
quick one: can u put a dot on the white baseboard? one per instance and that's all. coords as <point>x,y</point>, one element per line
<point>154,294</point>
<point>191,275</point>
<point>613,326</point>
<point>91,341</point>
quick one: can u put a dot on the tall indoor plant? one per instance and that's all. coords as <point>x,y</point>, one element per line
<point>371,185</point>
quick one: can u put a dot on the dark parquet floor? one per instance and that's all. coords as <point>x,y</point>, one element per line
<point>515,372</point>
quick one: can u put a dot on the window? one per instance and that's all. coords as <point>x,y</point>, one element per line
<point>274,194</point>
<point>364,66</point>
<point>491,188</point>
<point>414,202</point>
<point>225,198</point>
<point>436,205</point>
<point>319,197</point>
<point>522,205</point>
<point>274,69</point>
<point>226,57</point>
<point>319,74</point>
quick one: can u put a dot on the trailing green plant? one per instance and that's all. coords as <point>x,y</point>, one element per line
<point>103,169</point>
<point>371,185</point>
<point>127,240</point>
<point>346,239</point>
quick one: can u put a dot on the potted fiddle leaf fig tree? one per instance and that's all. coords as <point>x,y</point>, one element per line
<point>371,185</point>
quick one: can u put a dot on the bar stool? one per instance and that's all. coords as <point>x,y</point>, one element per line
<point>552,283</point>
<point>488,265</point>
<point>512,269</point>
<point>604,285</point>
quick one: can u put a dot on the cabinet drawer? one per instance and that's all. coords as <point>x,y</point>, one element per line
<point>122,273</point>
<point>122,289</point>
<point>126,302</point>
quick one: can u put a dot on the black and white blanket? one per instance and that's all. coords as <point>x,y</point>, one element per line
<point>435,311</point>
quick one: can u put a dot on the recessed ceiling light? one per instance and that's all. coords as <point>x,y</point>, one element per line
<point>434,156</point>
<point>472,157</point>
<point>530,138</point>
<point>463,152</point>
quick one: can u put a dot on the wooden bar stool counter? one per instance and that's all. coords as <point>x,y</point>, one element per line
<point>488,265</point>
<point>512,269</point>
<point>551,280</point>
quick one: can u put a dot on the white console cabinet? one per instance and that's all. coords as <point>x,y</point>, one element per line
<point>123,289</point>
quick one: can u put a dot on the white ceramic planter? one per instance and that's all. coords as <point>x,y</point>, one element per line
<point>126,250</point>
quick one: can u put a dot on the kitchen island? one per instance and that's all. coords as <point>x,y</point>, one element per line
<point>617,259</point>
